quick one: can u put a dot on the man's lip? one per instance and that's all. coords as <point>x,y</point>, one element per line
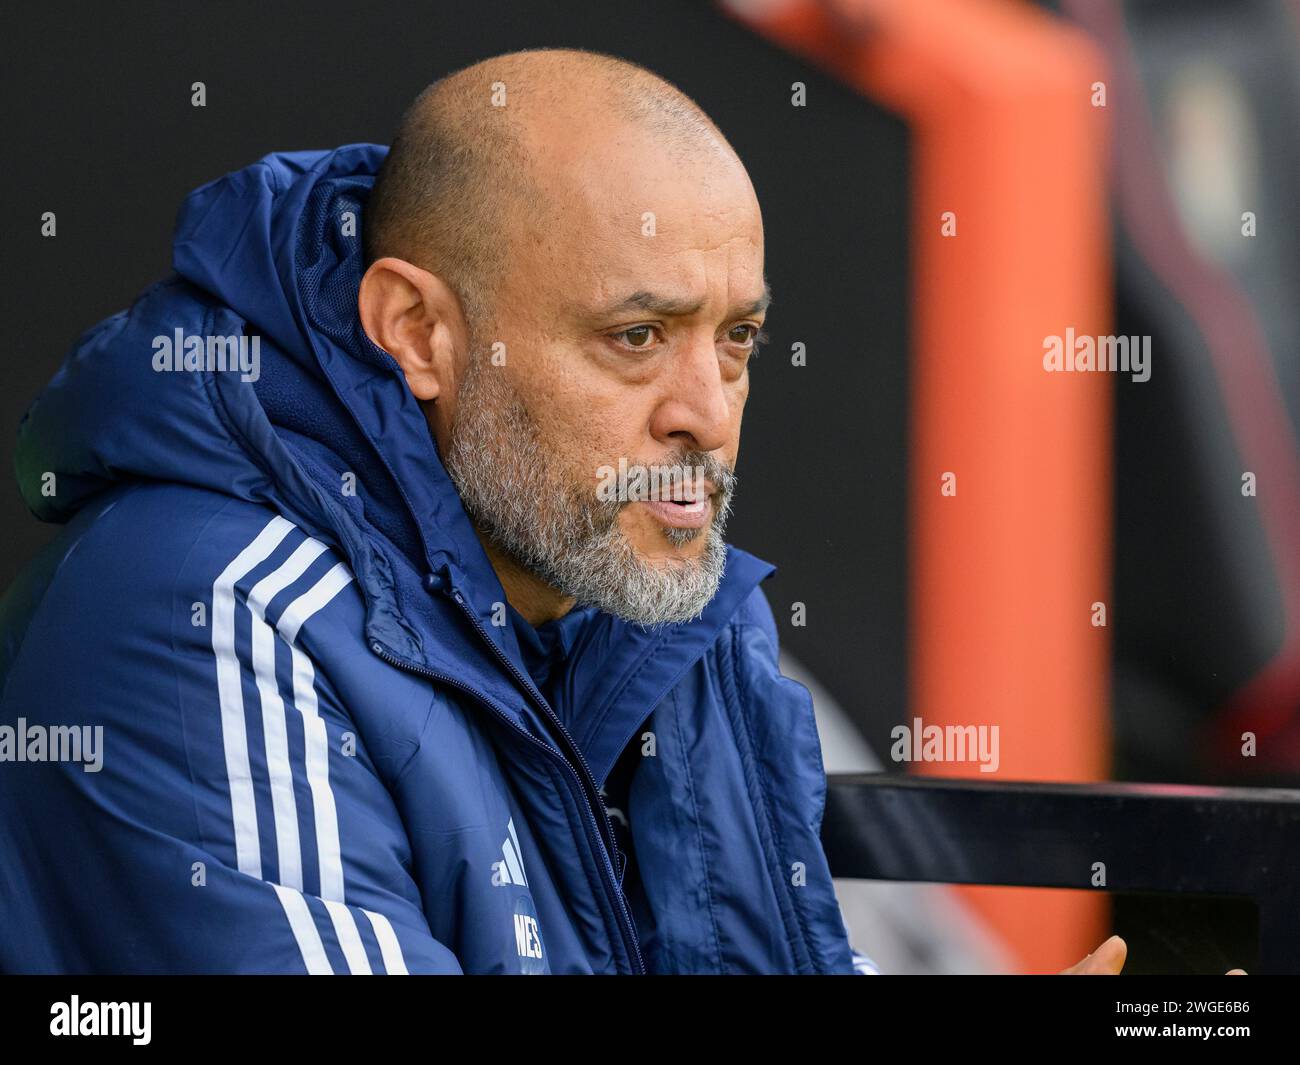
<point>679,494</point>
<point>692,515</point>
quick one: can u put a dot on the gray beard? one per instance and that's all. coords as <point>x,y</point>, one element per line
<point>560,530</point>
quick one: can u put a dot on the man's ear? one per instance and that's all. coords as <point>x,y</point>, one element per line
<point>416,317</point>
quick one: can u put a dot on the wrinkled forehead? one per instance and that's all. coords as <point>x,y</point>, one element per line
<point>627,211</point>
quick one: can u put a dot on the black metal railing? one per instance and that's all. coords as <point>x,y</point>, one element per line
<point>1241,843</point>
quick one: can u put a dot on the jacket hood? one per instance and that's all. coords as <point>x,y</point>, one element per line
<point>272,252</point>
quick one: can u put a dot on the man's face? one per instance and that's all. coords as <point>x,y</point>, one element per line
<point>626,319</point>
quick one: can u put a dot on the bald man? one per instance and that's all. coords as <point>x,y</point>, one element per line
<point>392,627</point>
<point>406,636</point>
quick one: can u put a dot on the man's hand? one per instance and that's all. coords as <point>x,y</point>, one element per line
<point>1108,960</point>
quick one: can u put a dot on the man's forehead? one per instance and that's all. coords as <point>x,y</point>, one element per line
<point>672,301</point>
<point>624,228</point>
<point>606,178</point>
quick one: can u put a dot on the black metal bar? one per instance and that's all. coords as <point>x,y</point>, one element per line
<point>1241,842</point>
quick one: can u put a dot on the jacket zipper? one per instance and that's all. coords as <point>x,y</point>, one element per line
<point>586,781</point>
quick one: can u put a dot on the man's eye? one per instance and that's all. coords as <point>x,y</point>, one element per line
<point>639,336</point>
<point>746,334</point>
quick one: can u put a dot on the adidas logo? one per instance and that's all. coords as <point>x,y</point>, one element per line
<point>510,869</point>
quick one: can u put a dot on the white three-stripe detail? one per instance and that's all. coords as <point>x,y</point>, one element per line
<point>304,931</point>
<point>234,734</point>
<point>296,613</point>
<point>345,927</point>
<point>389,949</point>
<point>279,768</point>
<point>317,742</point>
<point>284,807</point>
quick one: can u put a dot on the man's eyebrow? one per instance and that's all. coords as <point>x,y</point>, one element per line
<point>758,306</point>
<point>668,307</point>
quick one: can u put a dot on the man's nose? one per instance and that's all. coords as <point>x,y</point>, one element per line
<point>694,410</point>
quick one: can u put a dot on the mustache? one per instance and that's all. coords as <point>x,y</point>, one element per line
<point>686,475</point>
<point>716,472</point>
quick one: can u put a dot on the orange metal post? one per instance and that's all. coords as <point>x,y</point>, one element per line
<point>1004,573</point>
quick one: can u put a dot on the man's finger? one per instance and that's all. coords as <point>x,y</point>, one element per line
<point>1107,960</point>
